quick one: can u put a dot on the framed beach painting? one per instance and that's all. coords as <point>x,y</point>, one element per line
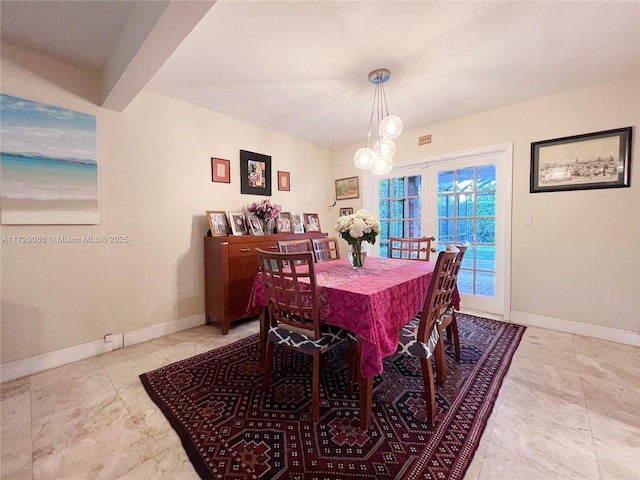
<point>49,164</point>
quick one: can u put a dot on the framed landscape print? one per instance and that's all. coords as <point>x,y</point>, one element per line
<point>255,173</point>
<point>217,222</point>
<point>347,188</point>
<point>593,160</point>
<point>220,170</point>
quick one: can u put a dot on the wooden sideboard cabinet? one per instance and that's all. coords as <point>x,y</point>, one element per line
<point>230,267</point>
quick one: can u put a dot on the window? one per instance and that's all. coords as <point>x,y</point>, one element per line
<point>400,207</point>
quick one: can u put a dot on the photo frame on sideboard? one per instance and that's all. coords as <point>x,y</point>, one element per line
<point>284,223</point>
<point>218,222</point>
<point>296,223</point>
<point>311,222</point>
<point>238,223</point>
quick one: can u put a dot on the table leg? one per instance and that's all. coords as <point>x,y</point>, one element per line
<point>366,393</point>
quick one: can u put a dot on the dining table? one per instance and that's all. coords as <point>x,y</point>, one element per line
<point>373,302</point>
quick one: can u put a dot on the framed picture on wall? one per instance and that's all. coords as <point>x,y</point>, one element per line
<point>284,181</point>
<point>255,173</point>
<point>238,223</point>
<point>217,222</point>
<point>220,170</point>
<point>581,162</point>
<point>344,211</point>
<point>347,188</point>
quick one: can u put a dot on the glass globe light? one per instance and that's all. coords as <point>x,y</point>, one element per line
<point>363,158</point>
<point>385,146</point>
<point>390,127</point>
<point>382,164</point>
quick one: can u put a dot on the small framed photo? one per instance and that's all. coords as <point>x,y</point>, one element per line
<point>581,162</point>
<point>238,223</point>
<point>284,224</point>
<point>218,223</point>
<point>255,226</point>
<point>311,222</point>
<point>344,211</point>
<point>347,188</point>
<point>220,171</point>
<point>255,173</point>
<point>296,223</point>
<point>284,181</point>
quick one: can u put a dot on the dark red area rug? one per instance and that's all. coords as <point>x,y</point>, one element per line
<point>231,430</point>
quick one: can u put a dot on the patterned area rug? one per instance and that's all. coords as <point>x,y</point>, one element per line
<point>231,430</point>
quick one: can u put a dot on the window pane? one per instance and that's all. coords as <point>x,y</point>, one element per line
<point>445,205</point>
<point>467,261</point>
<point>486,258</point>
<point>465,204</point>
<point>396,229</point>
<point>385,208</point>
<point>414,208</point>
<point>398,187</point>
<point>398,209</point>
<point>464,231</point>
<point>414,185</point>
<point>486,230</point>
<point>383,188</point>
<point>487,177</point>
<point>384,249</point>
<point>485,284</point>
<point>445,181</point>
<point>486,204</point>
<point>465,282</point>
<point>384,230</point>
<point>413,228</point>
<point>464,179</point>
<point>445,231</point>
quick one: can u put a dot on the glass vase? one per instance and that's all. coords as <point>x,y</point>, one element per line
<point>268,226</point>
<point>356,255</point>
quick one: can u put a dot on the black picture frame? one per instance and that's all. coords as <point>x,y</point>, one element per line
<point>252,182</point>
<point>582,162</point>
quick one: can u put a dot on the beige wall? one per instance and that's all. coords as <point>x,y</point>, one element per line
<point>580,260</point>
<point>155,185</point>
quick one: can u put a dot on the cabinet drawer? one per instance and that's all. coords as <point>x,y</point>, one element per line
<point>248,249</point>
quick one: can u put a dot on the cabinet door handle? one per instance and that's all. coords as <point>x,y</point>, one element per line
<point>224,243</point>
<point>245,250</point>
<point>273,247</point>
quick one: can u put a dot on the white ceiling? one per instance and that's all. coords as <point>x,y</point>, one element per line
<point>300,67</point>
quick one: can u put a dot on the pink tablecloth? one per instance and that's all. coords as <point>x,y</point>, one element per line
<point>374,302</point>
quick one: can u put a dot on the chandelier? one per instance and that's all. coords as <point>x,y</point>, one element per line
<point>379,159</point>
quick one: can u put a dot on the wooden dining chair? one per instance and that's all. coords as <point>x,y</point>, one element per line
<point>420,336</point>
<point>295,246</point>
<point>410,248</point>
<point>294,313</point>
<point>450,325</point>
<point>326,249</point>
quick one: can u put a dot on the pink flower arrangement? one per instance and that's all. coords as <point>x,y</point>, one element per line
<point>265,210</point>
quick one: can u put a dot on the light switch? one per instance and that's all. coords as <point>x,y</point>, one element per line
<point>526,220</point>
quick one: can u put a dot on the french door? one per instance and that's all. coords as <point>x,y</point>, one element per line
<point>459,198</point>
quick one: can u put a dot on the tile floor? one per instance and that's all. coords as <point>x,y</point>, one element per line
<point>569,408</point>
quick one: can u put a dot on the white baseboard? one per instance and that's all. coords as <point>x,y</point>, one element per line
<point>617,335</point>
<point>160,330</point>
<point>57,358</point>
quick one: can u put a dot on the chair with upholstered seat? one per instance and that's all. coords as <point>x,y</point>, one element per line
<point>449,324</point>
<point>420,336</point>
<point>410,248</point>
<point>326,249</point>
<point>295,246</point>
<point>294,313</point>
